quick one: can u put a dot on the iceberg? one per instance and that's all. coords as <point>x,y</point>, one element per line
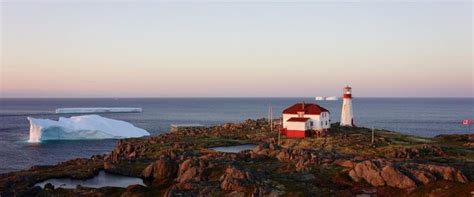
<point>97,110</point>
<point>332,98</point>
<point>82,127</point>
<point>319,98</point>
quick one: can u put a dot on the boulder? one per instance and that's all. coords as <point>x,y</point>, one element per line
<point>395,178</point>
<point>185,186</point>
<point>108,166</point>
<point>380,172</point>
<point>129,148</point>
<point>283,155</point>
<point>469,145</point>
<point>183,167</point>
<point>190,174</point>
<point>369,171</point>
<point>235,179</point>
<point>303,164</point>
<point>49,186</point>
<point>132,155</point>
<point>257,148</point>
<point>164,168</point>
<point>273,147</point>
<point>446,172</point>
<point>193,170</point>
<point>344,163</point>
<point>421,176</point>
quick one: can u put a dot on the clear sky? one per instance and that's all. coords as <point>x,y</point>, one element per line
<point>146,49</point>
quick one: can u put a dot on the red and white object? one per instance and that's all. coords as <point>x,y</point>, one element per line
<point>347,116</point>
<point>302,118</point>
<point>298,127</point>
<point>467,122</point>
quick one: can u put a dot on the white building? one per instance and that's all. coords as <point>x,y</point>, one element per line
<point>347,116</point>
<point>303,117</point>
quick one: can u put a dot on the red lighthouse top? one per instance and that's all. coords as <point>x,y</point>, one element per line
<point>347,92</point>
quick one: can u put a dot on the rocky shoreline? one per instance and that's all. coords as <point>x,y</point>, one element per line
<point>343,163</point>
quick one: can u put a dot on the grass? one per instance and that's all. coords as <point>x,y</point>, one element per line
<point>213,141</point>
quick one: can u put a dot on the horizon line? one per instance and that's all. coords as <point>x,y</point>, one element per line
<point>184,97</point>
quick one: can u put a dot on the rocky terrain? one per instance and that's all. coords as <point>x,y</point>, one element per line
<point>342,163</point>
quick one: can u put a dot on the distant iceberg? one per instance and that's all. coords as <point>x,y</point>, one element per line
<point>82,127</point>
<point>97,110</point>
<point>319,98</point>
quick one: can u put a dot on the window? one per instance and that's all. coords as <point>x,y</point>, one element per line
<point>326,123</point>
<point>311,123</point>
<point>321,123</point>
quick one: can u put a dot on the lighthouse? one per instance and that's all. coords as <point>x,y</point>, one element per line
<point>347,117</point>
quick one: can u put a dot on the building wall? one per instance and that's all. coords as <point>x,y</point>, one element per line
<point>300,126</point>
<point>320,122</point>
<point>346,115</point>
<point>297,134</point>
<point>324,121</point>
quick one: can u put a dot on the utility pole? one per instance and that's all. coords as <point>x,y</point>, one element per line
<point>271,118</point>
<point>268,113</point>
<point>373,135</point>
<point>279,131</point>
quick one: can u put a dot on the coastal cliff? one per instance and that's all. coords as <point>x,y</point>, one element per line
<point>343,163</point>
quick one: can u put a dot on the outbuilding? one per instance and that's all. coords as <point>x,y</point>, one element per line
<point>304,119</point>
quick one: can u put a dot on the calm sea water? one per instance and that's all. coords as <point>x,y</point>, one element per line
<point>417,116</point>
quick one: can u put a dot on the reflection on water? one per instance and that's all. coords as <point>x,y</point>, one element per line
<point>234,149</point>
<point>102,180</point>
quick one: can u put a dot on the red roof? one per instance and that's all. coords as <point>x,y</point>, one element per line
<point>295,119</point>
<point>307,108</point>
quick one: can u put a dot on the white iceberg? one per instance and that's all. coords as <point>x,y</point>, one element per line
<point>97,110</point>
<point>82,127</point>
<point>332,98</point>
<point>320,98</point>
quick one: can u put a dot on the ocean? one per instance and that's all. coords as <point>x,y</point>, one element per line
<point>416,116</point>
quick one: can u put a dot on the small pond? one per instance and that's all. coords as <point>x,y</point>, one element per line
<point>102,180</point>
<point>233,149</point>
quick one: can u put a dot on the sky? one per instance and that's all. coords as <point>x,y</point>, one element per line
<point>236,49</point>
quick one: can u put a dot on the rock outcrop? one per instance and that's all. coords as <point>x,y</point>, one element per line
<point>164,168</point>
<point>182,164</point>
<point>381,172</point>
<point>433,172</point>
<point>416,152</point>
<point>192,170</point>
<point>235,179</point>
<point>368,170</point>
<point>469,145</point>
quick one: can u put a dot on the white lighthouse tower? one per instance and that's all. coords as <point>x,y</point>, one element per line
<point>347,117</point>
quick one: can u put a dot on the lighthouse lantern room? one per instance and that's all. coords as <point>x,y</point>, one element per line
<point>347,116</point>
